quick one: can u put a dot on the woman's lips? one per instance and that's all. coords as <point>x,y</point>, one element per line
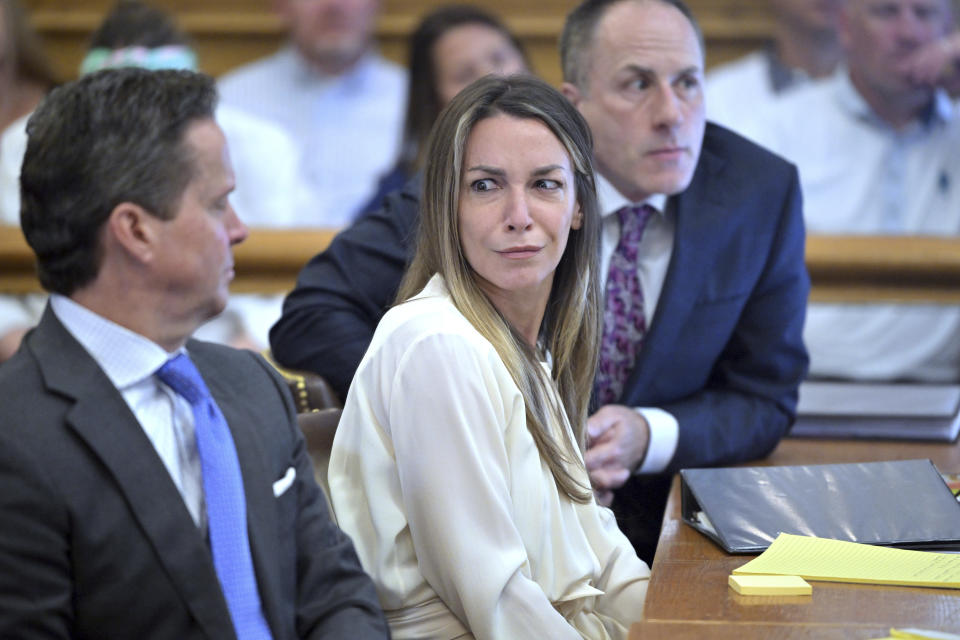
<point>519,253</point>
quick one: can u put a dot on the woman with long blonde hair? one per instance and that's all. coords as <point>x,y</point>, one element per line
<point>457,466</point>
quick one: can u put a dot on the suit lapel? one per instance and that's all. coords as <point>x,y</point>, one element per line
<point>699,213</point>
<point>103,420</point>
<point>258,477</point>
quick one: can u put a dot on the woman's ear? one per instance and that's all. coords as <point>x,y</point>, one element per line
<point>577,221</point>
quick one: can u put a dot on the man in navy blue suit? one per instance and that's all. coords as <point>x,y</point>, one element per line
<point>720,265</point>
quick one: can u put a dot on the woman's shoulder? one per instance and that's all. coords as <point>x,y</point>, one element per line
<point>426,320</point>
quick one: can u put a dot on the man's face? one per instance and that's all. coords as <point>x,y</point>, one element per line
<point>879,34</point>
<point>643,98</point>
<point>332,34</point>
<point>812,15</point>
<point>194,260</point>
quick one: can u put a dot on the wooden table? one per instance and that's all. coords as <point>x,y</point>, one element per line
<point>688,595</point>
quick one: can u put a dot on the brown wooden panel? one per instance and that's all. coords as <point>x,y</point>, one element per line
<point>228,33</point>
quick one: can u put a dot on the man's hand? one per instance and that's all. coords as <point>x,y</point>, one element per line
<point>936,64</point>
<point>617,442</point>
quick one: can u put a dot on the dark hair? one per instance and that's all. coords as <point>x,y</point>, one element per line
<point>423,102</point>
<point>572,322</point>
<point>110,137</point>
<point>131,23</point>
<point>581,25</point>
<point>26,51</point>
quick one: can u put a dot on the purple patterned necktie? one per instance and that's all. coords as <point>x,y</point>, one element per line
<point>225,498</point>
<point>624,324</point>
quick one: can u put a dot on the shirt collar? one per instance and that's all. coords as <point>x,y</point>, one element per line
<point>612,200</point>
<point>780,75</point>
<point>126,357</point>
<point>357,75</point>
<point>940,111</point>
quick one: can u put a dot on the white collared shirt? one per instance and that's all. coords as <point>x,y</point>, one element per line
<point>130,361</point>
<point>656,248</point>
<point>347,128</point>
<point>859,175</point>
<point>736,91</point>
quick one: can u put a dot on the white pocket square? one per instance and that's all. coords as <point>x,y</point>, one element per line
<point>284,483</point>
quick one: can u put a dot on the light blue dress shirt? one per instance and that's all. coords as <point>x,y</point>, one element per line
<point>347,127</point>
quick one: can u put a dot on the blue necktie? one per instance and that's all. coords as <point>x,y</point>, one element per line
<point>225,499</point>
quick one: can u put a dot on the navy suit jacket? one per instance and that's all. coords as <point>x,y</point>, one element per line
<point>95,539</point>
<point>724,352</point>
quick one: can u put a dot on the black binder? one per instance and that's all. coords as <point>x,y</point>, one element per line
<point>901,503</point>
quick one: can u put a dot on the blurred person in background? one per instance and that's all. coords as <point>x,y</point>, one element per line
<point>25,72</point>
<point>805,46</point>
<point>335,96</point>
<point>453,46</point>
<point>268,194</point>
<point>25,76</point>
<point>878,149</point>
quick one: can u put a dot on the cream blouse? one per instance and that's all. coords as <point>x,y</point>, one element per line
<point>437,480</point>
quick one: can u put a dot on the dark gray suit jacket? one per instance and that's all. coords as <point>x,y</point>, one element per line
<point>95,539</point>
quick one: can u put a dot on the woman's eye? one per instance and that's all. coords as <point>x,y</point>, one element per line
<point>485,184</point>
<point>548,184</point>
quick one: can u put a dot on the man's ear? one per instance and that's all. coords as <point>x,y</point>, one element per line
<point>577,220</point>
<point>130,226</point>
<point>571,92</point>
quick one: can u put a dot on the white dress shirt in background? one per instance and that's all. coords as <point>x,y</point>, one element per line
<point>861,176</point>
<point>347,127</point>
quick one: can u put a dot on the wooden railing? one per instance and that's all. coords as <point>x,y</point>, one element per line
<point>267,262</point>
<point>884,268</point>
<point>842,268</point>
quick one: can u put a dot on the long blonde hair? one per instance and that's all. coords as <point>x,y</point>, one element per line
<point>572,322</point>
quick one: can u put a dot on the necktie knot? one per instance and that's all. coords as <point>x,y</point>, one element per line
<point>180,374</point>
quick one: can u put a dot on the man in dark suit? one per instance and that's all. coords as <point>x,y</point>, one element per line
<point>720,266</point>
<point>121,517</point>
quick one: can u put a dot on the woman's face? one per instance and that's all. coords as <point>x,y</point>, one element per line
<point>517,205</point>
<point>468,52</point>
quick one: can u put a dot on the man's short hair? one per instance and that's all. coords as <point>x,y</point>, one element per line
<point>110,137</point>
<point>576,41</point>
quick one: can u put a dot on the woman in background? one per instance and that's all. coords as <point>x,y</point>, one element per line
<point>453,46</point>
<point>25,72</point>
<point>457,467</point>
<point>25,77</point>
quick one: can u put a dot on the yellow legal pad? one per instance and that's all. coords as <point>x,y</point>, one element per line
<point>770,585</point>
<point>919,634</point>
<point>839,561</point>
